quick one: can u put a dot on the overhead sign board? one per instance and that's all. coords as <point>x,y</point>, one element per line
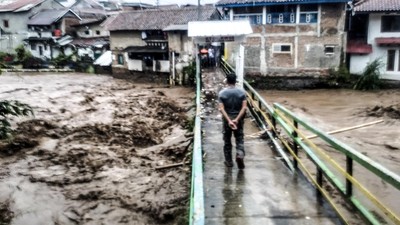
<point>220,39</point>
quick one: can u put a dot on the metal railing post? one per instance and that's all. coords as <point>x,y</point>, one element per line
<point>295,148</point>
<point>349,169</point>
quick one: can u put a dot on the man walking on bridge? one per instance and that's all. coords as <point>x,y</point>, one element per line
<point>233,106</point>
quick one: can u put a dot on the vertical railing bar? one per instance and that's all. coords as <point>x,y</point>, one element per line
<point>349,169</point>
<point>295,148</point>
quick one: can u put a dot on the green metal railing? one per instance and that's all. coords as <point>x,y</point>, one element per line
<point>290,144</point>
<point>226,67</point>
<point>294,141</point>
<point>196,214</point>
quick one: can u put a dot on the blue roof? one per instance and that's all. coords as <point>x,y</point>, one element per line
<point>242,3</point>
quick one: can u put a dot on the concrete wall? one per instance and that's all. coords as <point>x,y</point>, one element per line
<point>308,44</point>
<point>359,62</point>
<point>179,42</point>
<point>119,40</point>
<point>93,28</point>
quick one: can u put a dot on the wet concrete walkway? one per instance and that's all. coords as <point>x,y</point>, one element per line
<point>265,192</point>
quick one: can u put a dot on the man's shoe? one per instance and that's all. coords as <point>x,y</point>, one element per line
<point>228,164</point>
<point>240,163</point>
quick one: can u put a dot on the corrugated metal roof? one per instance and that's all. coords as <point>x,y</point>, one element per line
<point>159,19</point>
<point>47,17</point>
<point>90,42</point>
<point>377,6</point>
<point>219,28</point>
<point>66,3</point>
<point>234,3</point>
<point>18,5</point>
<point>176,27</point>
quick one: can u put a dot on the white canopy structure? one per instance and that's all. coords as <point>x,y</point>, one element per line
<point>218,31</point>
<point>214,32</point>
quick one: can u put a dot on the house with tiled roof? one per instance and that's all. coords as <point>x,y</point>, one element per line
<point>91,37</point>
<point>374,33</point>
<point>14,16</point>
<point>291,38</point>
<point>154,40</point>
<point>49,33</point>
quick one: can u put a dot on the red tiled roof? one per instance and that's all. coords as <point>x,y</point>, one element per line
<point>377,6</point>
<point>355,47</point>
<point>159,19</point>
<point>388,40</point>
<point>14,5</point>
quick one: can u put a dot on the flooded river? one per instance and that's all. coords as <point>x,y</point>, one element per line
<point>330,110</point>
<point>94,151</point>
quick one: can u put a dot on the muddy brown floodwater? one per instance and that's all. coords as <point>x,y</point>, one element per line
<point>330,110</point>
<point>92,152</point>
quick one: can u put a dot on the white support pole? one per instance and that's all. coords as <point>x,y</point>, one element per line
<point>240,66</point>
<point>173,69</point>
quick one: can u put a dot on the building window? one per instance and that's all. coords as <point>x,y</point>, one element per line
<point>5,24</point>
<point>391,56</point>
<point>282,48</point>
<point>87,32</point>
<point>309,13</point>
<point>120,59</point>
<point>329,49</point>
<point>281,14</point>
<point>390,24</point>
<point>33,47</point>
<point>97,32</point>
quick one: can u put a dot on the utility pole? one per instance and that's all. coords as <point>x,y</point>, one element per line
<point>198,10</point>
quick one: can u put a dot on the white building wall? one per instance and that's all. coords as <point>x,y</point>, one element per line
<point>134,64</point>
<point>46,53</point>
<point>359,62</point>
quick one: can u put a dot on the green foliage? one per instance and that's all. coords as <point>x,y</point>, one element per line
<point>370,78</point>
<point>6,59</point>
<point>190,73</point>
<point>340,76</point>
<point>22,54</point>
<point>190,124</point>
<point>62,60</point>
<point>11,108</point>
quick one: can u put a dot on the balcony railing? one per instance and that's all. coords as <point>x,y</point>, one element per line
<point>279,18</point>
<point>255,18</point>
<point>273,18</point>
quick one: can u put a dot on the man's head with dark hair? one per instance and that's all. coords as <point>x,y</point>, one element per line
<point>231,78</point>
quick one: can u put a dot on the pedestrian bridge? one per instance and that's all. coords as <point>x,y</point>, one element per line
<point>288,179</point>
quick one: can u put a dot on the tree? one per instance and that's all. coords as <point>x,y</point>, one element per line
<point>370,78</point>
<point>11,108</point>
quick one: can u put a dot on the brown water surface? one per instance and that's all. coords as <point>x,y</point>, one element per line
<point>91,153</point>
<point>330,110</point>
